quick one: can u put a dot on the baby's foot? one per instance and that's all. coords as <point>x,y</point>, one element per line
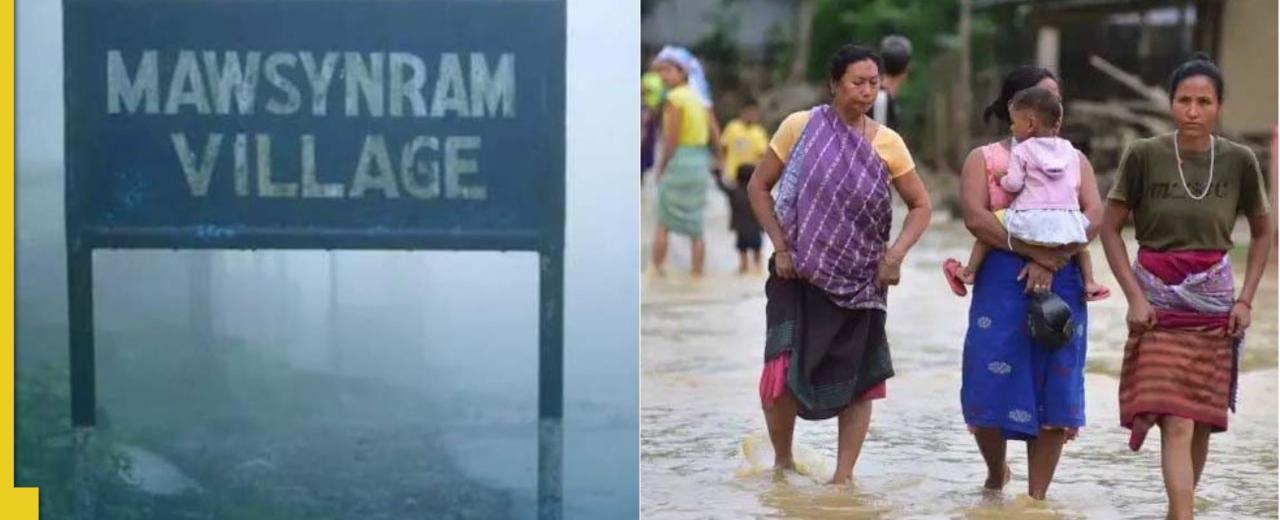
<point>1096,292</point>
<point>951,270</point>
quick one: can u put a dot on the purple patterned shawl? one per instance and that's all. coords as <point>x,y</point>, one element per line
<point>834,205</point>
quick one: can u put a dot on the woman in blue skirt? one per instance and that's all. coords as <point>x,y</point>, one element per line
<point>1016,386</point>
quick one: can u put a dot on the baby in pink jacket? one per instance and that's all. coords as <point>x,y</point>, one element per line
<point>1044,177</point>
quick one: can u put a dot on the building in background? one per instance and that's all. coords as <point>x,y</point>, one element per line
<point>688,23</point>
<point>1149,38</point>
<point>1114,58</point>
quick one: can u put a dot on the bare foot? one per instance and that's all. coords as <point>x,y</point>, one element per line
<point>786,464</point>
<point>991,485</point>
<point>839,481</point>
<point>779,475</point>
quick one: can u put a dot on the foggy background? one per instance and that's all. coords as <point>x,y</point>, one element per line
<point>282,380</point>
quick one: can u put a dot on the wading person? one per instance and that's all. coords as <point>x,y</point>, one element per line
<point>826,354</point>
<point>1017,384</point>
<point>1185,191</point>
<point>690,137</point>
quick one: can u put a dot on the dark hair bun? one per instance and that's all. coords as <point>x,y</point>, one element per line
<point>1199,56</point>
<point>1021,78</point>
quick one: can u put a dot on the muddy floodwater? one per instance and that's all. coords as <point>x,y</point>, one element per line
<point>705,454</point>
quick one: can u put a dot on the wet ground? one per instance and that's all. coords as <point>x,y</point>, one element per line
<point>704,452</point>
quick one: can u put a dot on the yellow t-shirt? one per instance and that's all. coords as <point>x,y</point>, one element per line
<point>693,116</point>
<point>887,144</point>
<point>744,143</point>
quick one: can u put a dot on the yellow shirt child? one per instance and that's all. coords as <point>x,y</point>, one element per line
<point>744,143</point>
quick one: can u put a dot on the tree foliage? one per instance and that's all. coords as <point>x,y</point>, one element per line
<point>931,25</point>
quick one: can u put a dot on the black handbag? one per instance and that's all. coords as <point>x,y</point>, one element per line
<point>1050,321</point>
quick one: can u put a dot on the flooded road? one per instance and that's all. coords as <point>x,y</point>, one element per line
<point>705,454</point>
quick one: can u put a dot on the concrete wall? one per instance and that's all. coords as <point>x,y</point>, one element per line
<point>1248,61</point>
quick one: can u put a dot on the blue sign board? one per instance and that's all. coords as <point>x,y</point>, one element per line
<point>318,124</point>
<point>315,124</point>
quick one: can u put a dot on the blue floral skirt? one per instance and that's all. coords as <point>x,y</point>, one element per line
<point>1010,382</point>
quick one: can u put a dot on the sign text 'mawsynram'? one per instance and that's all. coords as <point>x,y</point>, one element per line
<point>366,85</point>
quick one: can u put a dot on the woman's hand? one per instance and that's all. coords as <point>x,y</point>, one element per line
<point>784,265</point>
<point>1241,317</point>
<point>890,270</point>
<point>1049,258</point>
<point>1141,316</point>
<point>1038,278</point>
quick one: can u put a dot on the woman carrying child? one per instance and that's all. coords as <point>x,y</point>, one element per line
<point>1014,387</point>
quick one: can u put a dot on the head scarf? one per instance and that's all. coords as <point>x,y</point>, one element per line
<point>684,59</point>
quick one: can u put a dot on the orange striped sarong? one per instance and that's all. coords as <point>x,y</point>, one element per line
<point>1181,372</point>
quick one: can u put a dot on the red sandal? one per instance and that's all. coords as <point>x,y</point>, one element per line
<point>951,269</point>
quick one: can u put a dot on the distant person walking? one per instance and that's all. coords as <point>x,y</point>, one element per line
<point>745,141</point>
<point>690,137</point>
<point>742,221</point>
<point>895,50</point>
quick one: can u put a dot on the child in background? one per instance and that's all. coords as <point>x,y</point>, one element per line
<point>744,141</point>
<point>742,220</point>
<point>1044,177</point>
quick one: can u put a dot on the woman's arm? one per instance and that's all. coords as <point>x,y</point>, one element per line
<point>670,137</point>
<point>766,175</point>
<point>1013,180</point>
<point>1090,199</point>
<point>919,209</point>
<point>975,204</point>
<point>1259,249</point>
<point>1141,317</point>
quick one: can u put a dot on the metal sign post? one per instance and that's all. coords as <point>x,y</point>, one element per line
<point>299,124</point>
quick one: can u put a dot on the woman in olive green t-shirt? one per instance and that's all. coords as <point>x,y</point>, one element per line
<point>1185,191</point>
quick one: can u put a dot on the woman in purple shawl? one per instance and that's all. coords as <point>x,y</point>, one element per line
<point>826,354</point>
